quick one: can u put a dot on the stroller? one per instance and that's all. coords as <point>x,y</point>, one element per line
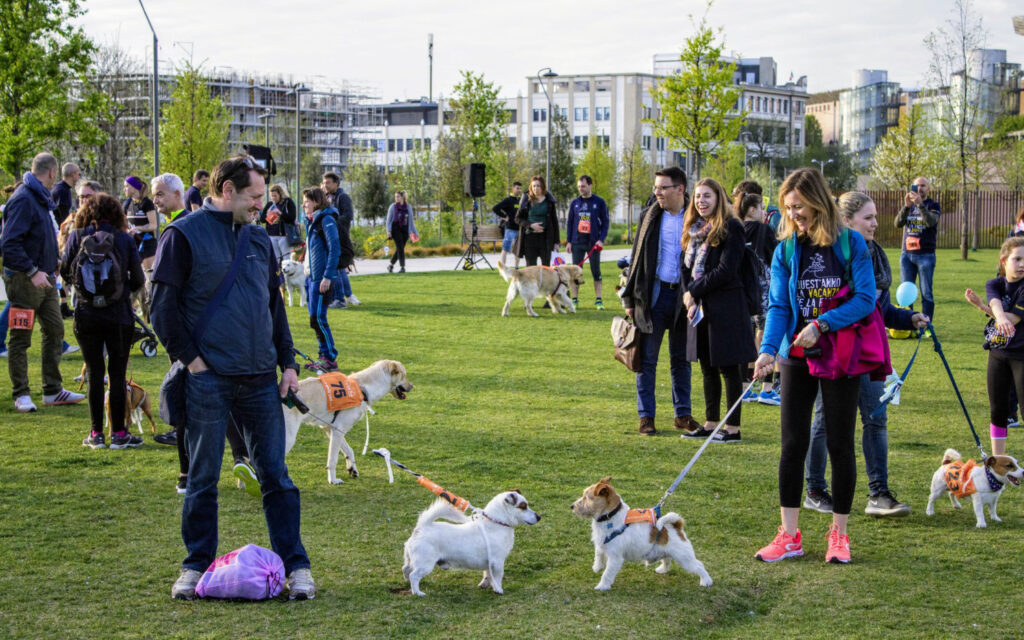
<point>145,334</point>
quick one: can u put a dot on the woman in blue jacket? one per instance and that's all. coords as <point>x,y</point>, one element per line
<point>804,277</point>
<point>322,252</point>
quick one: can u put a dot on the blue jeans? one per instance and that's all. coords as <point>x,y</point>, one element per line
<point>663,317</point>
<point>342,288</point>
<point>874,441</point>
<point>316,303</point>
<point>923,264</point>
<point>508,241</point>
<point>210,399</point>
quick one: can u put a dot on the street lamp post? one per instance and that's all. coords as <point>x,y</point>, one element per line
<point>155,99</point>
<point>821,164</point>
<point>267,115</point>
<point>298,90</point>
<point>744,138</point>
<point>548,74</point>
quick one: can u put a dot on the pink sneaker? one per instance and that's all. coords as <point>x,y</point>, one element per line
<point>838,546</point>
<point>782,547</point>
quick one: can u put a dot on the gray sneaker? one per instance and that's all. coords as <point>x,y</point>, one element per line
<point>300,585</point>
<point>185,586</point>
<point>886,504</point>
<point>337,304</point>
<point>820,501</point>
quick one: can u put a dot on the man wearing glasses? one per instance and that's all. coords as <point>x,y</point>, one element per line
<point>232,366</point>
<point>653,299</point>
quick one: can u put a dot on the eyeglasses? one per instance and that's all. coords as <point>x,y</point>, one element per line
<point>661,189</point>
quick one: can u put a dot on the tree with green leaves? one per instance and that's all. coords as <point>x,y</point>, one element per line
<point>563,167</point>
<point>726,166</point>
<point>194,127</point>
<point>636,176</point>
<point>370,195</point>
<point>813,136</point>
<point>908,151</point>
<point>508,164</point>
<point>418,178</point>
<point>599,163</point>
<point>699,105</point>
<point>41,53</point>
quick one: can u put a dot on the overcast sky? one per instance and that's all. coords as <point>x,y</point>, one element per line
<point>383,45</point>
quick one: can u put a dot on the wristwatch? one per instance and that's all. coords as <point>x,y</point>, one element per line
<point>822,325</point>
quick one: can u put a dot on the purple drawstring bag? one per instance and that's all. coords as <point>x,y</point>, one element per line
<point>251,573</point>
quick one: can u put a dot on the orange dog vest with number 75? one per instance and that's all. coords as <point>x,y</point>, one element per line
<point>341,391</point>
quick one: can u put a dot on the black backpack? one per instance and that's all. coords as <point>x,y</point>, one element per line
<point>99,277</point>
<point>752,274</point>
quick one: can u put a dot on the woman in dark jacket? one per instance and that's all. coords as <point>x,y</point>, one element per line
<point>538,224</point>
<point>713,245</point>
<point>278,213</point>
<point>108,324</point>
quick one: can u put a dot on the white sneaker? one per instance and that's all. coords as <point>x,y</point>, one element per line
<point>62,397</point>
<point>185,586</point>
<point>3,352</point>
<point>300,585</point>
<point>353,300</point>
<point>71,348</point>
<point>24,404</point>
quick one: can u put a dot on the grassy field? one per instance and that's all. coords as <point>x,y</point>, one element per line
<point>91,545</point>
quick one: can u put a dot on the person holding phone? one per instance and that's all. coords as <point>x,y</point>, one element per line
<point>919,219</point>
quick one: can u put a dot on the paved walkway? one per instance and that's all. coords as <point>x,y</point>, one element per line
<point>447,263</point>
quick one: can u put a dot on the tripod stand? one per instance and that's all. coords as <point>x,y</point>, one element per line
<point>473,253</point>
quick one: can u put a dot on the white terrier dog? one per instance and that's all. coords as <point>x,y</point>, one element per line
<point>481,542</point>
<point>294,278</point>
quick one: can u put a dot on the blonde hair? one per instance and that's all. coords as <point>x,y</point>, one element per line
<point>810,185</point>
<point>718,218</point>
<point>1009,245</point>
<point>851,202</point>
<point>280,190</point>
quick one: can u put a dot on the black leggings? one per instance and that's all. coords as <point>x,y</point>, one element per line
<point>1004,375</point>
<point>235,440</point>
<point>93,335</point>
<point>400,236</point>
<point>535,246</point>
<point>733,375</point>
<point>799,389</point>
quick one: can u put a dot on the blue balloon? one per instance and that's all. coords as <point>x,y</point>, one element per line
<point>906,294</point>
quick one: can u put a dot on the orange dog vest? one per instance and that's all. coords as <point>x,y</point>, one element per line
<point>958,478</point>
<point>341,391</point>
<point>641,515</point>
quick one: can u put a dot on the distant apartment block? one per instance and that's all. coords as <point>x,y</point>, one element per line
<point>824,107</point>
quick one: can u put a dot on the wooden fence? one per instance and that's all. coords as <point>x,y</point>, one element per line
<point>990,216</point>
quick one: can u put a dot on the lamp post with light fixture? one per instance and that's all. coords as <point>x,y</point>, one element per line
<point>548,74</point>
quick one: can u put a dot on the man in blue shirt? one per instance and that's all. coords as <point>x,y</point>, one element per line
<point>194,195</point>
<point>653,298</point>
<point>586,229</point>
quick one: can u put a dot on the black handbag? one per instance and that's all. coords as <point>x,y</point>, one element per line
<point>172,389</point>
<point>291,231</point>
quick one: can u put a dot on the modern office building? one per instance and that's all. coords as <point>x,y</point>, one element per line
<point>867,111</point>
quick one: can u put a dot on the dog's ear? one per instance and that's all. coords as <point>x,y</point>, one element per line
<point>516,491</point>
<point>991,461</point>
<point>394,368</point>
<point>511,498</point>
<point>605,480</point>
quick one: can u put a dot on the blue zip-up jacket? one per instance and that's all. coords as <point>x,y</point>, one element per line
<point>29,240</point>
<point>598,219</point>
<point>780,323</point>
<point>322,244</point>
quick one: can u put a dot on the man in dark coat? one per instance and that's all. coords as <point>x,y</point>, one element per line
<point>653,298</point>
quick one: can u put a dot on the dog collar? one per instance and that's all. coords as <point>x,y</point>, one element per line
<point>993,481</point>
<point>610,514</point>
<point>484,514</point>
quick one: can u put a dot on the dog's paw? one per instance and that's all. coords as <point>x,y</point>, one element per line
<point>995,518</point>
<point>706,582</point>
<point>484,584</point>
<point>353,472</point>
<point>602,587</point>
<point>981,525</point>
<point>336,481</point>
<point>663,567</point>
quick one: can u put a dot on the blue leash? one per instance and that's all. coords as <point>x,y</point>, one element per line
<point>938,350</point>
<point>877,413</point>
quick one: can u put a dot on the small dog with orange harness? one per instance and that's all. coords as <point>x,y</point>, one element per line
<point>137,404</point>
<point>530,283</point>
<point>622,534</point>
<point>336,402</point>
<point>983,482</point>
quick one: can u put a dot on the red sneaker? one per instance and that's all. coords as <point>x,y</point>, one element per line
<point>838,546</point>
<point>782,547</point>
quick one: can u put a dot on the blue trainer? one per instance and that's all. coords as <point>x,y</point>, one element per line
<point>769,397</point>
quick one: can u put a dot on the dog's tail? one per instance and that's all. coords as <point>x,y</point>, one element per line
<point>950,456</point>
<point>506,275</point>
<point>441,509</point>
<point>673,520</point>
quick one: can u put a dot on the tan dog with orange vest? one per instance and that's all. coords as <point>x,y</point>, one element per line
<point>637,535</point>
<point>337,402</point>
<point>983,482</point>
<point>136,404</point>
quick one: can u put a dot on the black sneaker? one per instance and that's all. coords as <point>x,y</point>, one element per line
<point>127,441</point>
<point>818,501</point>
<point>885,504</point>
<point>725,436</point>
<point>94,441</point>
<point>170,438</point>
<point>698,433</point>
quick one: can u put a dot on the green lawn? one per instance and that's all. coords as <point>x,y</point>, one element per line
<point>90,539</point>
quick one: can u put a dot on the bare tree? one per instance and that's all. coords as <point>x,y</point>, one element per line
<point>953,49</point>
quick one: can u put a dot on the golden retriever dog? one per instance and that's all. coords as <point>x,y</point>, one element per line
<point>376,381</point>
<point>531,283</point>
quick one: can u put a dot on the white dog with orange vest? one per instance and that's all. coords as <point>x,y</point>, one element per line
<point>336,402</point>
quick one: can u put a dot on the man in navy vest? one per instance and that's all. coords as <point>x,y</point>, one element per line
<point>232,369</point>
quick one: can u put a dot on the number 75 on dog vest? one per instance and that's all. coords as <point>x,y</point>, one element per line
<point>341,391</point>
